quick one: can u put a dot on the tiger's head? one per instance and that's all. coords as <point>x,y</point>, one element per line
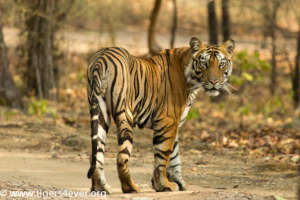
<point>210,67</point>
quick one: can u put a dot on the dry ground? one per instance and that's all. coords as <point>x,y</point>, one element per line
<point>47,155</point>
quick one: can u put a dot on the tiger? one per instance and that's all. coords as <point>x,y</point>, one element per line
<point>155,92</point>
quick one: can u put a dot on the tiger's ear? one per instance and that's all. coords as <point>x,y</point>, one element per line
<point>229,46</point>
<point>195,44</point>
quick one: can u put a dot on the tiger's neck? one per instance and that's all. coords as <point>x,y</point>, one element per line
<point>182,58</point>
<point>185,59</point>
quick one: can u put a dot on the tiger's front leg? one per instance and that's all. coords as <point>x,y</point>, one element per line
<point>174,168</point>
<point>163,141</point>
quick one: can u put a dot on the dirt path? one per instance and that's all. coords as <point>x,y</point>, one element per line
<point>213,179</point>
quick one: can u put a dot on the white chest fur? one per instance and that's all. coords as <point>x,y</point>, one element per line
<point>188,106</point>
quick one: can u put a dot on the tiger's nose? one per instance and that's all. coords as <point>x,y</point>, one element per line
<point>214,81</point>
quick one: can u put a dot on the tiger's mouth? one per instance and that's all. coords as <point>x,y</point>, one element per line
<point>212,91</point>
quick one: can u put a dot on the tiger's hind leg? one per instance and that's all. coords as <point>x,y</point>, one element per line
<point>174,167</point>
<point>99,129</point>
<point>125,143</point>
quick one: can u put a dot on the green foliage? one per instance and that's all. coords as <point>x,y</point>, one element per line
<point>194,113</point>
<point>244,110</point>
<point>279,198</point>
<point>250,66</point>
<point>81,77</point>
<point>40,108</point>
<point>273,105</point>
<point>37,107</point>
<point>3,101</point>
<point>9,114</point>
<point>251,62</point>
<point>222,105</point>
<point>247,76</point>
<point>237,80</point>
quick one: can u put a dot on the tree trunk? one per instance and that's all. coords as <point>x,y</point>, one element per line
<point>274,67</point>
<point>225,20</point>
<point>9,93</point>
<point>273,83</point>
<point>154,48</point>
<point>296,76</point>
<point>39,26</point>
<point>212,22</point>
<point>174,24</point>
<point>266,12</point>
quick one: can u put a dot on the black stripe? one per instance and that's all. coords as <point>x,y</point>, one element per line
<point>159,139</point>
<point>173,166</point>
<point>175,144</point>
<point>163,130</point>
<point>125,136</point>
<point>102,142</point>
<point>94,111</point>
<point>141,125</point>
<point>168,64</point>
<point>165,153</point>
<point>157,155</point>
<point>113,83</point>
<point>136,85</point>
<point>100,150</point>
<point>116,52</point>
<point>158,120</point>
<point>94,131</point>
<point>101,164</point>
<point>172,158</point>
<point>105,63</point>
<point>91,170</point>
<point>124,51</point>
<point>123,81</point>
<point>125,151</point>
<point>161,165</point>
<point>102,121</point>
<point>119,113</point>
<point>146,111</point>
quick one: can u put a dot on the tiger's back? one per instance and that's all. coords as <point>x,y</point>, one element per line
<point>140,85</point>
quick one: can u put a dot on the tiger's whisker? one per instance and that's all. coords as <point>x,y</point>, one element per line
<point>232,87</point>
<point>227,90</point>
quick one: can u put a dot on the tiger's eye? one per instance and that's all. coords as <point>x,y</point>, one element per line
<point>222,64</point>
<point>198,73</point>
<point>203,64</point>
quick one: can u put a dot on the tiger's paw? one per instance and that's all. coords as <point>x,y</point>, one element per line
<point>100,188</point>
<point>181,184</point>
<point>167,186</point>
<point>99,183</point>
<point>130,188</point>
<point>177,179</point>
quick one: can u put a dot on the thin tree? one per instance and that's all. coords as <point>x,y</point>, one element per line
<point>154,48</point>
<point>9,93</point>
<point>174,24</point>
<point>225,20</point>
<point>273,24</point>
<point>39,75</point>
<point>42,19</point>
<point>296,76</point>
<point>212,22</point>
